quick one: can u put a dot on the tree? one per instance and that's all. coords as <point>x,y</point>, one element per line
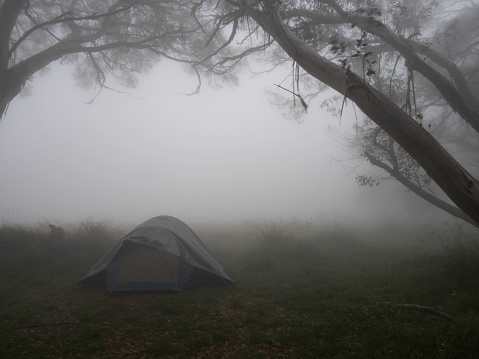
<point>286,22</point>
<point>457,40</point>
<point>382,152</point>
<point>298,28</point>
<point>233,30</point>
<point>119,37</point>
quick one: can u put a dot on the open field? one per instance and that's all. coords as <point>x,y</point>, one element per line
<point>326,292</point>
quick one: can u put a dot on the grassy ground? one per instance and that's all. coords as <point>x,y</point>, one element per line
<point>300,293</point>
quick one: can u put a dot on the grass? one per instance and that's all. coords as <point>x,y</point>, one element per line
<point>314,293</point>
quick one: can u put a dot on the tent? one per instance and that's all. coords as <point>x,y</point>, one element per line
<point>161,254</point>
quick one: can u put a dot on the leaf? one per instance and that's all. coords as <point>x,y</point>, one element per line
<point>367,54</point>
<point>343,62</point>
<point>356,55</point>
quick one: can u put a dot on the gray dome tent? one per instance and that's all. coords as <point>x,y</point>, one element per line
<point>161,254</point>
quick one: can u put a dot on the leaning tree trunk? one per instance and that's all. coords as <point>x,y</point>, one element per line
<point>446,207</point>
<point>461,187</point>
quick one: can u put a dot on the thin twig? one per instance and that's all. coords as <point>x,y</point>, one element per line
<point>305,105</point>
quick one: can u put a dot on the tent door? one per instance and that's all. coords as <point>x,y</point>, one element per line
<point>137,267</point>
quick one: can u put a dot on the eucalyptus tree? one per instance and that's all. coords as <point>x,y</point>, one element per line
<point>299,28</point>
<point>455,38</point>
<point>101,37</point>
<point>213,37</point>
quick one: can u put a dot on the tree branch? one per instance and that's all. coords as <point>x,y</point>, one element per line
<point>9,12</point>
<point>60,18</point>
<point>424,309</point>
<point>461,187</point>
<point>451,68</point>
<point>469,110</point>
<point>452,210</point>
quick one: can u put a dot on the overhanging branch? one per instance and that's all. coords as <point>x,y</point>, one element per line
<point>461,99</point>
<point>460,186</point>
<point>452,210</point>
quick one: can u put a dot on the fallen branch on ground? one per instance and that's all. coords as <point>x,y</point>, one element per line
<point>42,325</point>
<point>424,309</point>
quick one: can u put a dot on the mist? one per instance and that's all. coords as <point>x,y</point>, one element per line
<point>225,154</point>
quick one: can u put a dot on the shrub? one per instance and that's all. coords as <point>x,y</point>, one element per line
<point>93,238</point>
<point>26,250</point>
<point>281,240</point>
<point>15,238</point>
<point>279,231</point>
<point>460,255</point>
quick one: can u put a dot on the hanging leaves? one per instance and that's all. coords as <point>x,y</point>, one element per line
<point>365,181</point>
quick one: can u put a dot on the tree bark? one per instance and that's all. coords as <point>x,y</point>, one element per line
<point>9,12</point>
<point>461,187</point>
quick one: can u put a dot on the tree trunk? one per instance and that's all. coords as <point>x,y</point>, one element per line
<point>455,181</point>
<point>446,207</point>
<point>13,79</point>
<point>461,100</point>
<point>9,12</point>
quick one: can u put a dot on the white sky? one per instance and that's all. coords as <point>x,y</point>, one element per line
<point>222,155</point>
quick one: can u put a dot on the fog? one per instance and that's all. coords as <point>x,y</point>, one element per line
<point>224,154</point>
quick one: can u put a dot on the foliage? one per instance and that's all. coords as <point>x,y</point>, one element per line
<point>29,250</point>
<point>113,38</point>
<point>335,304</point>
<point>93,237</point>
<point>372,142</point>
<point>383,42</point>
<point>413,93</point>
<point>18,238</point>
<point>380,54</point>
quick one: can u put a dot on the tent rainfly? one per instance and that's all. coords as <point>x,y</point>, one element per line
<point>161,254</point>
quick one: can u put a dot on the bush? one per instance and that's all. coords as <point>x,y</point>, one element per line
<point>282,241</point>
<point>460,255</point>
<point>89,241</point>
<point>279,231</point>
<point>15,238</point>
<point>25,250</point>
